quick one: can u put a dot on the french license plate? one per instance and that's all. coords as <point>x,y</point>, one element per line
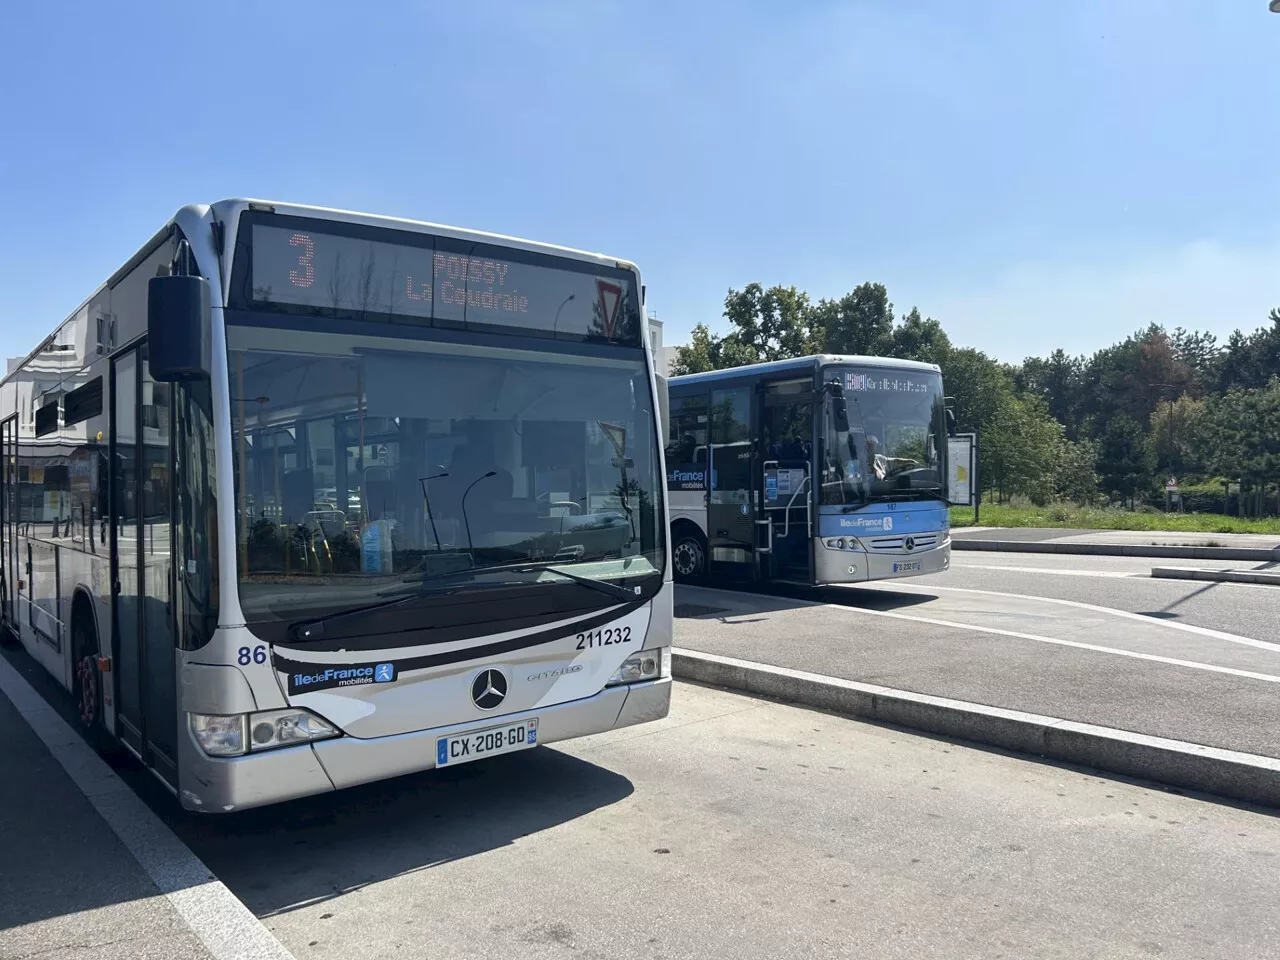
<point>479,744</point>
<point>906,566</point>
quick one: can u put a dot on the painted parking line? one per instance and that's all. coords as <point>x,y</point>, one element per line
<point>1092,608</point>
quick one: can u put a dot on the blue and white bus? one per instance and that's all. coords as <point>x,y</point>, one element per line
<point>817,470</point>
<point>303,498</point>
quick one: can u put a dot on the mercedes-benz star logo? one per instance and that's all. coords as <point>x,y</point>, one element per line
<point>488,689</point>
<point>911,543</point>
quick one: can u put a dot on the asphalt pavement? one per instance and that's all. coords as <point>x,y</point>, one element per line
<point>742,829</point>
<point>1123,583</point>
<point>1027,534</point>
<point>1044,643</point>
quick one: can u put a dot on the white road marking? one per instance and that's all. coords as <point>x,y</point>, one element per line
<point>1055,572</point>
<point>1124,614</point>
<point>1093,647</point>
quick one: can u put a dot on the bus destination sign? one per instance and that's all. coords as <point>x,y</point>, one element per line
<point>477,285</point>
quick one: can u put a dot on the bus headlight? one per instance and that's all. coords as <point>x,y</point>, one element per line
<point>234,736</point>
<point>220,736</point>
<point>284,728</point>
<point>641,665</point>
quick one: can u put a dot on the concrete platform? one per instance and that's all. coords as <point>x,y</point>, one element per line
<point>86,870</point>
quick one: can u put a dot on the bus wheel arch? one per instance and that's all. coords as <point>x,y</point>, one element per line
<point>86,675</point>
<point>688,552</point>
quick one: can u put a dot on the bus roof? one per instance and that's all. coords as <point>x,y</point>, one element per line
<point>805,363</point>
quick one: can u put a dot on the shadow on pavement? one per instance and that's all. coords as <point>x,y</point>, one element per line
<point>879,599</point>
<point>694,602</point>
<point>278,858</point>
<point>57,858</point>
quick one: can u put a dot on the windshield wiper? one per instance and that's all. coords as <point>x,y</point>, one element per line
<point>305,628</point>
<point>603,586</point>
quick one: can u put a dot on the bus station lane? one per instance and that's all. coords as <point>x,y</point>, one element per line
<point>1018,653</point>
<point>739,828</point>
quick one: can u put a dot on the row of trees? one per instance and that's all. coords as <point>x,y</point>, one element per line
<point>1111,426</point>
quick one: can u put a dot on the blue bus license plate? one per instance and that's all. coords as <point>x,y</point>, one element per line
<point>490,742</point>
<point>906,566</point>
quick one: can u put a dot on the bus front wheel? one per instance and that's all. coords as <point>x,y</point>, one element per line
<point>689,557</point>
<point>88,679</point>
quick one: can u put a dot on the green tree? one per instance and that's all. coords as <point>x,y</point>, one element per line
<point>1019,449</point>
<point>1130,378</point>
<point>774,324</point>
<point>1177,439</point>
<point>1076,472</point>
<point>1245,429</point>
<point>705,351</point>
<point>978,386</point>
<point>1059,381</point>
<point>1250,361</point>
<point>860,322</point>
<point>1125,459</point>
<point>920,338</point>
<point>1200,354</point>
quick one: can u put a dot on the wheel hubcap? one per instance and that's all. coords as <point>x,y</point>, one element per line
<point>688,558</point>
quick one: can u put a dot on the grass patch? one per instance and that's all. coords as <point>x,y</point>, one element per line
<point>1105,518</point>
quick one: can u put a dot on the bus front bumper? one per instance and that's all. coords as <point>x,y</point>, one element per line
<point>857,565</point>
<point>217,785</point>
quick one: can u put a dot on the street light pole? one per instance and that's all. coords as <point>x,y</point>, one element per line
<point>471,550</point>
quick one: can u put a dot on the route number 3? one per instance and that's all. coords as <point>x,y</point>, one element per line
<point>249,655</point>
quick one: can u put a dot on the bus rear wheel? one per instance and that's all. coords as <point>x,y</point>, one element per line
<point>689,557</point>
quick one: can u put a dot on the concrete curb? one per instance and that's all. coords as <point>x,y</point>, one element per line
<point>226,927</point>
<point>1226,773</point>
<point>1217,576</point>
<point>1167,552</point>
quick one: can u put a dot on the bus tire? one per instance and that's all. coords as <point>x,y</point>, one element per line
<point>688,554</point>
<point>87,677</point>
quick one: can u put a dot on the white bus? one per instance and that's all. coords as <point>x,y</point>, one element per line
<point>814,470</point>
<point>302,498</point>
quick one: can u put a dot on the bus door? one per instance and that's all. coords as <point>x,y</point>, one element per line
<point>8,520</point>
<point>786,482</point>
<point>730,508</point>
<point>144,656</point>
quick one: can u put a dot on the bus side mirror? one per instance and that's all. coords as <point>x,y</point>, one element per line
<point>840,414</point>
<point>664,410</point>
<point>951,422</point>
<point>178,336</point>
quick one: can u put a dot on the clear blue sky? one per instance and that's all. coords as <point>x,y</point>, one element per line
<point>1032,174</point>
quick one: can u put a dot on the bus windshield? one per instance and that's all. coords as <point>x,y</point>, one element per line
<point>884,436</point>
<point>367,463</point>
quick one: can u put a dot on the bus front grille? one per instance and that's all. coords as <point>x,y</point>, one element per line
<point>923,541</point>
